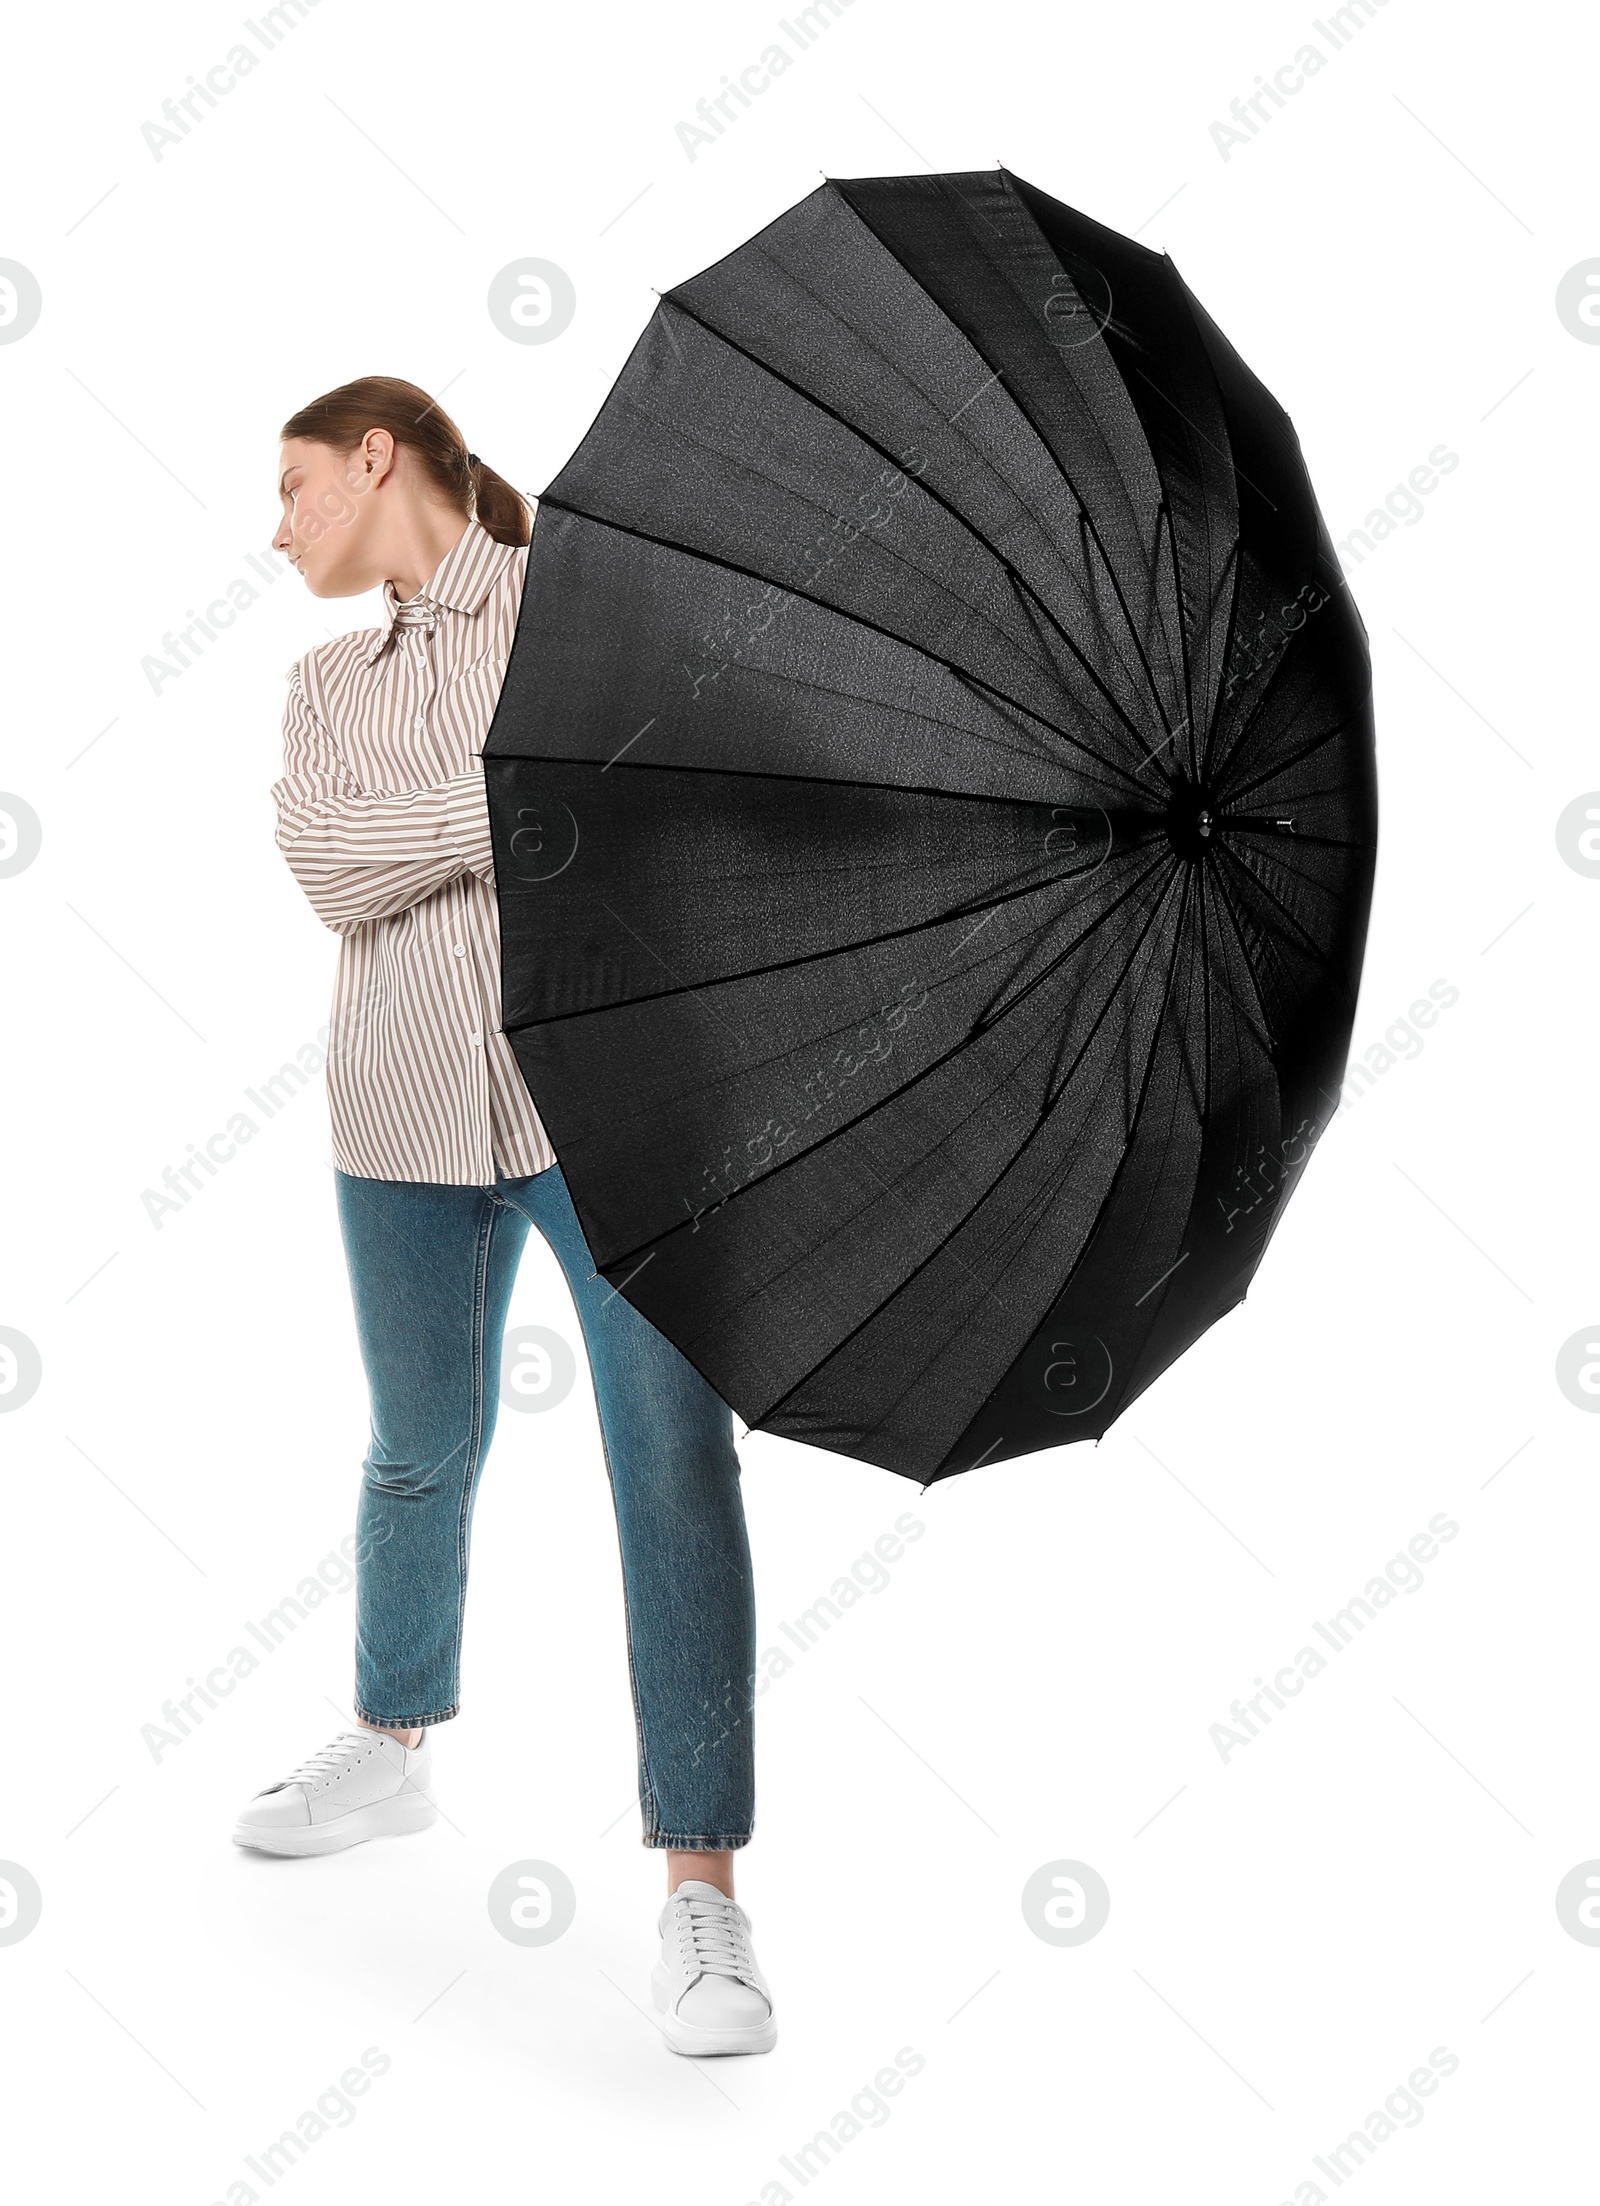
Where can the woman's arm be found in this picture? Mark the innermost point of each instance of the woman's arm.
(361, 857)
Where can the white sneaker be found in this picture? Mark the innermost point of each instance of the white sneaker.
(707, 1985)
(360, 1786)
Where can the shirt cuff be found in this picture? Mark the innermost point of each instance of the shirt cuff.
(466, 805)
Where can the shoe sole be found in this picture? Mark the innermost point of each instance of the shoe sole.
(685, 2037)
(381, 1819)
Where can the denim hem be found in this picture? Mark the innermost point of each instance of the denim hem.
(723, 1842)
(405, 1723)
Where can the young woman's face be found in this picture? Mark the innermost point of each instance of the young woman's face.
(329, 513)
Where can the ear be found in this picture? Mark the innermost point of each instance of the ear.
(375, 458)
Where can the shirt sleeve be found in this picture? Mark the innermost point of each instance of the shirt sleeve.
(361, 857)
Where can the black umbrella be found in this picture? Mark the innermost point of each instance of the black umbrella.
(934, 814)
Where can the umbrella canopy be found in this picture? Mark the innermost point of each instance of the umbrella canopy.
(934, 816)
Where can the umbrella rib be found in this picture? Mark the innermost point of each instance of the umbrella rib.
(1309, 842)
(1041, 1208)
(1088, 520)
(1243, 733)
(814, 957)
(1116, 582)
(1236, 576)
(1163, 512)
(984, 689)
(1227, 455)
(1205, 1011)
(826, 781)
(1313, 948)
(976, 1204)
(933, 1065)
(883, 452)
(1165, 527)
(1177, 576)
(1267, 688)
(1149, 1069)
(1282, 765)
(1224, 452)
(1262, 1030)
(993, 1018)
(1026, 1227)
(1092, 532)
(750, 574)
(854, 780)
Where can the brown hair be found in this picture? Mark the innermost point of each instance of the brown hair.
(342, 418)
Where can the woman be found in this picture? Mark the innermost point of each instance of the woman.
(441, 1164)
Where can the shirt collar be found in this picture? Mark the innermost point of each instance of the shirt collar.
(459, 584)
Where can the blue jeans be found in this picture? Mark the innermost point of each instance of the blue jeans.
(431, 1271)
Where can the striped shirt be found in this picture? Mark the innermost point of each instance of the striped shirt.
(383, 817)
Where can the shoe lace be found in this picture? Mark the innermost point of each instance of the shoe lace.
(331, 1760)
(713, 1934)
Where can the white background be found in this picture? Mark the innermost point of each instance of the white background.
(1292, 1932)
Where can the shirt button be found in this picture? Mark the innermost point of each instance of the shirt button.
(418, 722)
(459, 948)
(475, 1039)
